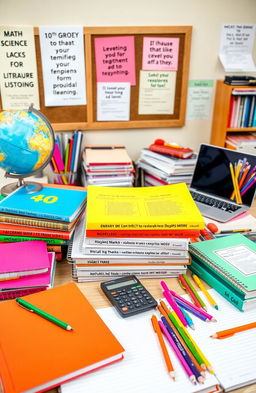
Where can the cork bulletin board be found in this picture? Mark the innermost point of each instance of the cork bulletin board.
(84, 117)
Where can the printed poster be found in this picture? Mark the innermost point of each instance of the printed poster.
(160, 53)
(113, 101)
(62, 54)
(157, 92)
(236, 47)
(18, 71)
(199, 99)
(115, 59)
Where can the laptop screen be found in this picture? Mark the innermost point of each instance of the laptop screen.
(213, 173)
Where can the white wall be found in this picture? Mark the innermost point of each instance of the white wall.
(206, 17)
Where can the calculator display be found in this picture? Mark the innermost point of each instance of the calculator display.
(122, 284)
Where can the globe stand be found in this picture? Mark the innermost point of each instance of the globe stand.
(30, 186)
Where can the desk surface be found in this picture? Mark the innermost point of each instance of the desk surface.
(96, 297)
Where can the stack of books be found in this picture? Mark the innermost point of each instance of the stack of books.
(25, 268)
(50, 215)
(228, 265)
(107, 165)
(245, 142)
(242, 111)
(142, 231)
(162, 169)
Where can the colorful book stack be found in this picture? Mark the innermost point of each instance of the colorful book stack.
(25, 268)
(49, 215)
(141, 231)
(228, 265)
(66, 158)
(107, 165)
(242, 111)
(242, 141)
(162, 169)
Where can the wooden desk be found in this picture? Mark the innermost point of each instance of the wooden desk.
(96, 297)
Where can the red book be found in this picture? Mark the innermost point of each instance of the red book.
(21, 230)
(186, 233)
(180, 152)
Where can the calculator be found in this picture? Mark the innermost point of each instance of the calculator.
(128, 295)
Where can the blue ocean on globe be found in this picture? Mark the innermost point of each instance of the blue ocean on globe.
(26, 142)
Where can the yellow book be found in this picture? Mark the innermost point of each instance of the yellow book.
(142, 208)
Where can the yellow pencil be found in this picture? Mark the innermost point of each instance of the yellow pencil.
(204, 290)
(237, 172)
(234, 182)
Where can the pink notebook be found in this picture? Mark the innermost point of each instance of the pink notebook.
(23, 286)
(23, 259)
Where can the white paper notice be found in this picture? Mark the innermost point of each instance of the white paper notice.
(62, 52)
(199, 99)
(236, 48)
(113, 101)
(18, 72)
(157, 91)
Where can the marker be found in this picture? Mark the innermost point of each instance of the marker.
(43, 314)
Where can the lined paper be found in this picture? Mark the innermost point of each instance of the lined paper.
(143, 368)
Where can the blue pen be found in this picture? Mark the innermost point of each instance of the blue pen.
(187, 317)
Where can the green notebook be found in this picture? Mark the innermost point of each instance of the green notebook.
(232, 257)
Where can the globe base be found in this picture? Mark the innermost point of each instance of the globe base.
(30, 187)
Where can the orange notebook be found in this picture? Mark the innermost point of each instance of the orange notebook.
(36, 355)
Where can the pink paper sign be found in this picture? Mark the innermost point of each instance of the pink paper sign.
(115, 60)
(160, 53)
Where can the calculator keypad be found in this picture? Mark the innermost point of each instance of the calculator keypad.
(132, 300)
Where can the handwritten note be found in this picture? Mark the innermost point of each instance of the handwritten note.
(157, 92)
(18, 71)
(113, 101)
(160, 53)
(62, 52)
(115, 59)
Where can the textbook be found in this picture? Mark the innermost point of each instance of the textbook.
(22, 230)
(11, 238)
(23, 259)
(232, 257)
(54, 203)
(36, 354)
(227, 291)
(26, 285)
(141, 233)
(149, 209)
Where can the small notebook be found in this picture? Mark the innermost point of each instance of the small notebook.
(106, 155)
(23, 259)
(144, 370)
(233, 257)
(36, 354)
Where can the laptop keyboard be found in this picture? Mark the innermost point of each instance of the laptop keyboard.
(214, 202)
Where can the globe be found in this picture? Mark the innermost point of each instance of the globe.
(26, 142)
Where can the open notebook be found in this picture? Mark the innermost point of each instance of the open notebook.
(143, 369)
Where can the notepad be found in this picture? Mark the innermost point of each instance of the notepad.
(143, 369)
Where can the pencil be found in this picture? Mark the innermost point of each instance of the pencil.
(230, 332)
(205, 292)
(200, 300)
(167, 359)
(234, 182)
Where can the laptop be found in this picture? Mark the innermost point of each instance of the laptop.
(212, 186)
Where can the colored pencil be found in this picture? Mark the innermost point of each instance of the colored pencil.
(204, 290)
(230, 332)
(188, 318)
(192, 291)
(175, 307)
(167, 359)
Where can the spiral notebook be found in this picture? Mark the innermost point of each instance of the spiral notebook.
(232, 257)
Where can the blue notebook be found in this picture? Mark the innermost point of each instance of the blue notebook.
(54, 203)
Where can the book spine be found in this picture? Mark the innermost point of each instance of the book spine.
(83, 262)
(222, 273)
(34, 223)
(38, 233)
(8, 238)
(143, 233)
(222, 289)
(136, 252)
(5, 295)
(38, 214)
(115, 274)
(168, 243)
(175, 152)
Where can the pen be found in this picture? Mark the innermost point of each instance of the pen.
(167, 359)
(42, 314)
(204, 290)
(230, 332)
